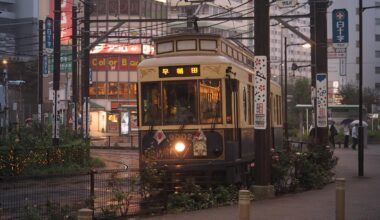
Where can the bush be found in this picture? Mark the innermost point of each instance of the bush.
(293, 171)
(29, 151)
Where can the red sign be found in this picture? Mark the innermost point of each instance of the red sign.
(66, 17)
(113, 63)
(123, 49)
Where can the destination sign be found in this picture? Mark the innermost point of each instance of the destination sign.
(179, 71)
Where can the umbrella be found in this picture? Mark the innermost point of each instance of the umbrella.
(346, 121)
(357, 122)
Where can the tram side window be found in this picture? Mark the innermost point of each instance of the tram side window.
(151, 103)
(180, 102)
(228, 101)
(210, 99)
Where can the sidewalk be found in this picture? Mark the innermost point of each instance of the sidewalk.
(362, 196)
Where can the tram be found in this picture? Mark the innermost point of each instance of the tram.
(195, 104)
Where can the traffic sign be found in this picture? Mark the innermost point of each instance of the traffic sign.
(340, 28)
(49, 34)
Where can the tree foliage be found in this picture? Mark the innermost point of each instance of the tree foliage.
(301, 94)
(350, 96)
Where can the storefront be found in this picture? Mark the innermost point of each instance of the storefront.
(114, 87)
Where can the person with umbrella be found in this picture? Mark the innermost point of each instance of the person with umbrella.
(354, 135)
(346, 130)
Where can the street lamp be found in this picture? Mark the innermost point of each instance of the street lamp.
(5, 62)
(286, 45)
(361, 143)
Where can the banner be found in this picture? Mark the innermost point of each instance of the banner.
(66, 17)
(321, 85)
(260, 92)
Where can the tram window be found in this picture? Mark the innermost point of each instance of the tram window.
(224, 48)
(151, 103)
(186, 45)
(165, 47)
(208, 45)
(228, 101)
(210, 99)
(179, 102)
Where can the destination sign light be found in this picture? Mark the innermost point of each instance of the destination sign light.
(179, 71)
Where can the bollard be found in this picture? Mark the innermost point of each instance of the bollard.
(244, 204)
(340, 198)
(85, 214)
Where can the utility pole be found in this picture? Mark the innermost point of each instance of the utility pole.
(263, 137)
(74, 65)
(57, 68)
(86, 67)
(318, 32)
(40, 67)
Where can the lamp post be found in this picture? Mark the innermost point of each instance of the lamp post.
(361, 143)
(6, 124)
(286, 45)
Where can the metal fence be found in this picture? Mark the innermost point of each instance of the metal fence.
(107, 192)
(109, 141)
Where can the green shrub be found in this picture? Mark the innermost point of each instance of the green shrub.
(292, 171)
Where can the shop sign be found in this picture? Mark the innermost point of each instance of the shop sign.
(114, 63)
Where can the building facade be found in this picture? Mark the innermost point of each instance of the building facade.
(344, 65)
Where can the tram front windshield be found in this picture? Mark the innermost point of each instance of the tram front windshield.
(181, 102)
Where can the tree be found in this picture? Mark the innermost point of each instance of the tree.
(350, 96)
(301, 92)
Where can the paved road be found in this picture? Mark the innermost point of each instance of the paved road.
(362, 196)
(116, 158)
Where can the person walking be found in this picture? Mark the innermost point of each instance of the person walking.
(333, 133)
(346, 131)
(354, 135)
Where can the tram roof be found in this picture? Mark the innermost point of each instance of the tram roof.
(184, 60)
(186, 35)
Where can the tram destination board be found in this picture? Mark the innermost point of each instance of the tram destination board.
(179, 71)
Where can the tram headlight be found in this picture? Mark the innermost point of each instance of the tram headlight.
(179, 146)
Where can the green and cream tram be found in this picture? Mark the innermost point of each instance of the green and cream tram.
(196, 105)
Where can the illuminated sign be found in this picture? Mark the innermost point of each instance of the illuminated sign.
(108, 48)
(179, 71)
(114, 63)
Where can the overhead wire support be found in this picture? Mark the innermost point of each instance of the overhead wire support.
(199, 19)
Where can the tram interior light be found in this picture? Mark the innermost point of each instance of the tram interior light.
(179, 147)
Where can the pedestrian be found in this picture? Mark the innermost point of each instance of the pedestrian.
(346, 131)
(333, 133)
(354, 134)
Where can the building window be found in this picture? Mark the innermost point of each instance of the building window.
(377, 21)
(377, 37)
(377, 86)
(112, 90)
(377, 69)
(377, 53)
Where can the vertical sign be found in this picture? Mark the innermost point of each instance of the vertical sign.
(45, 66)
(260, 92)
(49, 34)
(55, 129)
(340, 28)
(321, 84)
